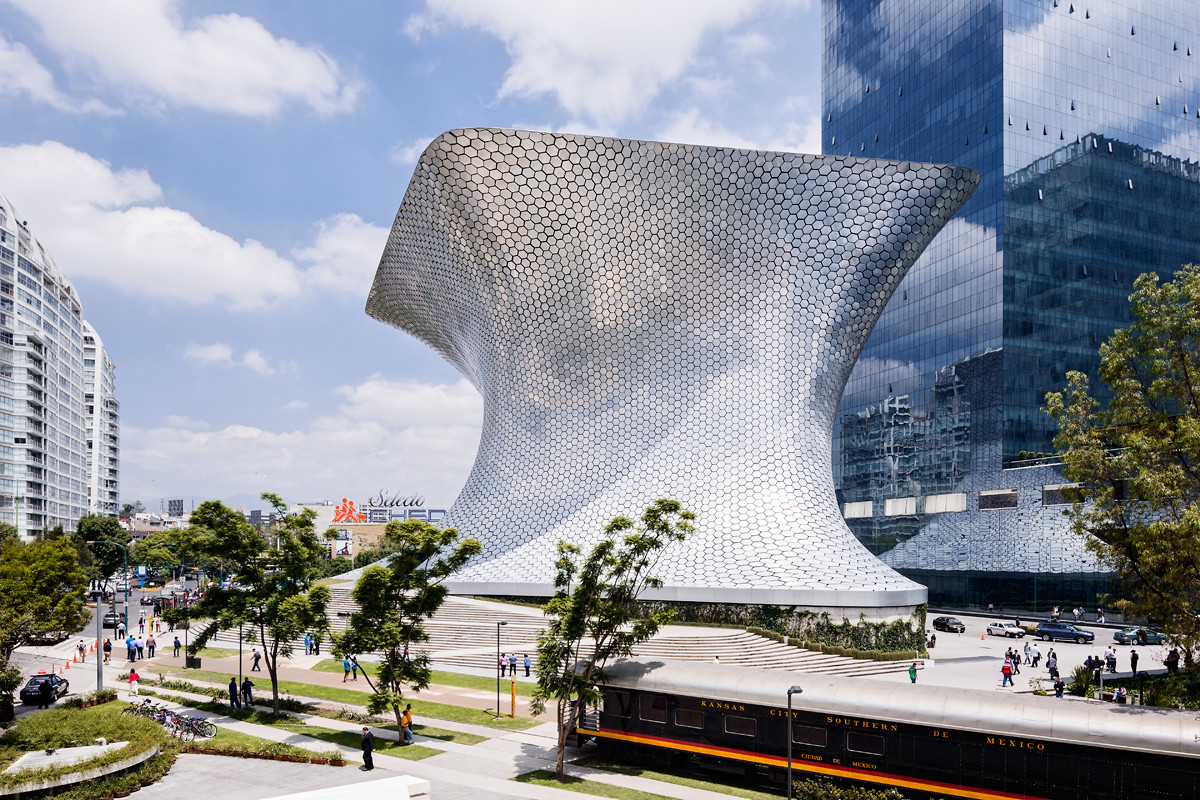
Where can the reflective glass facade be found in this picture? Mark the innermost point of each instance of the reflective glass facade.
(1082, 119)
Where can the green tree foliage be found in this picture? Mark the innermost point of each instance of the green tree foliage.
(594, 612)
(277, 602)
(395, 602)
(1137, 459)
(41, 592)
(106, 558)
(159, 550)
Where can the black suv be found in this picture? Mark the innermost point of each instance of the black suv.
(1063, 631)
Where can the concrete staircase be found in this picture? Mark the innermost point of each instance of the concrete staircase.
(462, 637)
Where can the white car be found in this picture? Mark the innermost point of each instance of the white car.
(1009, 629)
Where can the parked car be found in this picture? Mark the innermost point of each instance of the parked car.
(112, 618)
(1138, 635)
(32, 691)
(148, 600)
(1051, 630)
(948, 624)
(1009, 629)
(50, 637)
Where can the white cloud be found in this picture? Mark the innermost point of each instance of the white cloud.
(599, 62)
(295, 405)
(343, 255)
(405, 153)
(222, 355)
(149, 53)
(105, 223)
(421, 437)
(689, 126)
(21, 73)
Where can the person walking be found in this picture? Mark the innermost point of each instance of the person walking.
(912, 672)
(354, 669)
(141, 648)
(1006, 671)
(307, 644)
(82, 649)
(1028, 660)
(255, 656)
(512, 665)
(406, 724)
(247, 692)
(107, 650)
(368, 744)
(1059, 685)
(177, 646)
(150, 645)
(133, 680)
(527, 663)
(131, 648)
(346, 669)
(503, 664)
(233, 693)
(1052, 664)
(1133, 659)
(45, 694)
(1036, 655)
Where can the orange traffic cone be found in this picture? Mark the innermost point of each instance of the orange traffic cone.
(74, 659)
(982, 636)
(68, 666)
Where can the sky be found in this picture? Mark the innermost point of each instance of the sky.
(218, 178)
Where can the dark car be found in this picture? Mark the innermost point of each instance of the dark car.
(49, 637)
(948, 624)
(1138, 635)
(148, 600)
(1052, 630)
(32, 691)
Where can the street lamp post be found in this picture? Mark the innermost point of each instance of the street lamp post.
(498, 624)
(124, 576)
(791, 691)
(98, 596)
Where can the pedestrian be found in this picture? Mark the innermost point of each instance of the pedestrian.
(503, 664)
(1016, 662)
(354, 668)
(82, 648)
(130, 648)
(1057, 613)
(177, 646)
(512, 665)
(716, 660)
(150, 645)
(406, 724)
(1036, 655)
(141, 648)
(1100, 616)
(991, 608)
(316, 646)
(1058, 687)
(1112, 659)
(1172, 661)
(107, 650)
(254, 658)
(932, 640)
(307, 644)
(1017, 622)
(1027, 661)
(247, 692)
(133, 680)
(368, 744)
(527, 663)
(1052, 664)
(1006, 671)
(346, 669)
(45, 694)
(912, 672)
(233, 693)
(1133, 659)
(142, 625)
(120, 629)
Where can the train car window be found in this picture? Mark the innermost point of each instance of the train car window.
(652, 708)
(810, 735)
(689, 719)
(742, 726)
(867, 743)
(619, 704)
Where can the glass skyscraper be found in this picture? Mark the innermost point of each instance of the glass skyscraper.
(1082, 119)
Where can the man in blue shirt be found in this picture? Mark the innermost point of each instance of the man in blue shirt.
(527, 665)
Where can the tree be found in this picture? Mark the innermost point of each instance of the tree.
(395, 602)
(107, 559)
(594, 612)
(129, 510)
(275, 598)
(41, 592)
(159, 550)
(1137, 460)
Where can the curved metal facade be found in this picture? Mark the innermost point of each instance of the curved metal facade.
(651, 320)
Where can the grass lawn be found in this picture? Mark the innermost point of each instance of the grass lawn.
(439, 678)
(413, 752)
(216, 652)
(543, 777)
(441, 734)
(731, 789)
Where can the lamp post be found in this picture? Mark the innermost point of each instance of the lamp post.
(124, 577)
(791, 691)
(498, 624)
(98, 596)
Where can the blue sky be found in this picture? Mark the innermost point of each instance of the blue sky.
(217, 179)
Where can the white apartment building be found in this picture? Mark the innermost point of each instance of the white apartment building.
(43, 443)
(102, 426)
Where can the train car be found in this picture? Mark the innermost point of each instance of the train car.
(925, 740)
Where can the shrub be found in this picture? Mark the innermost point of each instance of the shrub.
(1081, 681)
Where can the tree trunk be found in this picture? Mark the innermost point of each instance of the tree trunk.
(559, 773)
(399, 733)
